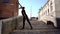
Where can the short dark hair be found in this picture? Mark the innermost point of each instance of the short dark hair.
(23, 7)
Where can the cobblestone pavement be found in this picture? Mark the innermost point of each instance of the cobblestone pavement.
(38, 28)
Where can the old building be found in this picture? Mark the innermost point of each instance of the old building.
(50, 12)
(8, 8)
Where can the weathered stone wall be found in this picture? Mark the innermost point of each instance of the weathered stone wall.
(0, 26)
(10, 24)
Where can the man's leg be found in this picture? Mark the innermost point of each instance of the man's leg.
(29, 22)
(23, 23)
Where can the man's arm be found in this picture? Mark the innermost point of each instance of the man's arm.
(20, 5)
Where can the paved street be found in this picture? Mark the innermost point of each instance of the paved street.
(38, 28)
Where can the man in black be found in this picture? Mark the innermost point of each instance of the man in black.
(25, 17)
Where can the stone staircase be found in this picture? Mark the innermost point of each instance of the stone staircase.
(38, 28)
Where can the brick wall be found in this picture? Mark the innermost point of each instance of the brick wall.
(9, 9)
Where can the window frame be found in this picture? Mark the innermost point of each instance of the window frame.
(5, 1)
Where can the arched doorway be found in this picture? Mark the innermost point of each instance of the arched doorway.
(50, 23)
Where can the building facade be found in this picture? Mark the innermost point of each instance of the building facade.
(8, 8)
(50, 12)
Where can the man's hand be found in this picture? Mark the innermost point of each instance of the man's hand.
(20, 5)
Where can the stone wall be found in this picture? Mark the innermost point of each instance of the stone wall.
(0, 26)
(10, 24)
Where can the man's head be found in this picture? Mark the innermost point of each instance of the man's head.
(23, 7)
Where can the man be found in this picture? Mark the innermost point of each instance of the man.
(25, 17)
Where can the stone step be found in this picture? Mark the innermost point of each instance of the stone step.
(54, 31)
(37, 28)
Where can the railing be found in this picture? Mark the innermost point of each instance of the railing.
(10, 24)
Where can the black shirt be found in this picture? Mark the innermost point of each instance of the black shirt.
(24, 13)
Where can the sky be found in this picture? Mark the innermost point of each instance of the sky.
(32, 6)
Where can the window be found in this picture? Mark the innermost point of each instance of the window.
(5, 1)
(51, 8)
(48, 10)
(51, 3)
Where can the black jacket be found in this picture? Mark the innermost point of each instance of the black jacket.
(24, 13)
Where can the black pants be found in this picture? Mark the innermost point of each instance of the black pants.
(26, 18)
